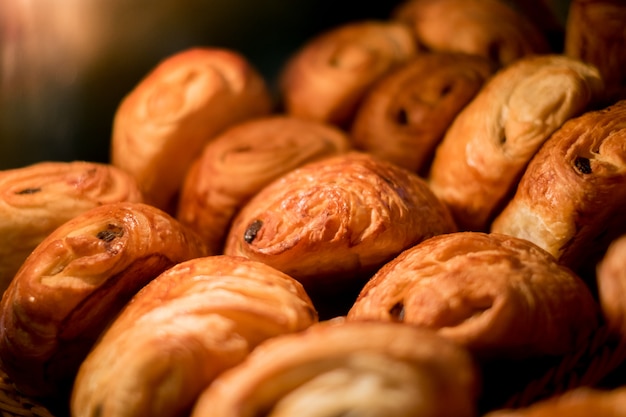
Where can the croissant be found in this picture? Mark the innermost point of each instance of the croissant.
(496, 295)
(238, 163)
(162, 124)
(332, 222)
(75, 281)
(337, 368)
(327, 77)
(572, 197)
(210, 313)
(404, 116)
(611, 280)
(594, 33)
(487, 147)
(36, 199)
(489, 28)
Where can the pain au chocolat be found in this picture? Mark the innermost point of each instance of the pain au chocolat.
(36, 199)
(162, 124)
(333, 222)
(75, 281)
(182, 330)
(238, 163)
(486, 149)
(340, 368)
(571, 199)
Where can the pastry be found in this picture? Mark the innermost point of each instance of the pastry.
(326, 78)
(75, 281)
(332, 369)
(238, 163)
(209, 313)
(36, 199)
(611, 279)
(595, 34)
(487, 147)
(572, 197)
(162, 124)
(489, 28)
(331, 223)
(498, 296)
(403, 116)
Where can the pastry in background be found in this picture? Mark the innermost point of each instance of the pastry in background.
(36, 199)
(571, 199)
(595, 34)
(161, 125)
(404, 116)
(489, 28)
(486, 149)
(183, 329)
(339, 368)
(74, 282)
(327, 77)
(331, 223)
(611, 279)
(241, 161)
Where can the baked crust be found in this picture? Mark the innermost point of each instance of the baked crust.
(36, 199)
(486, 149)
(404, 116)
(327, 77)
(162, 124)
(374, 369)
(209, 313)
(240, 162)
(75, 281)
(572, 197)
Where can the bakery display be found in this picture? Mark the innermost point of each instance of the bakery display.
(36, 199)
(331, 223)
(328, 76)
(572, 197)
(209, 313)
(374, 369)
(75, 281)
(487, 147)
(238, 163)
(490, 28)
(162, 124)
(404, 116)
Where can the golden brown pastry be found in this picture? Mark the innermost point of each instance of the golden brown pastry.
(331, 223)
(580, 402)
(611, 279)
(183, 329)
(36, 199)
(187, 99)
(403, 117)
(75, 281)
(489, 28)
(572, 197)
(328, 76)
(332, 369)
(496, 295)
(595, 34)
(487, 147)
(238, 163)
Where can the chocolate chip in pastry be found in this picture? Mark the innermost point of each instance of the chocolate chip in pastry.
(238, 163)
(571, 199)
(75, 281)
(404, 116)
(332, 369)
(595, 34)
(36, 199)
(489, 28)
(332, 223)
(486, 149)
(184, 328)
(162, 124)
(328, 76)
